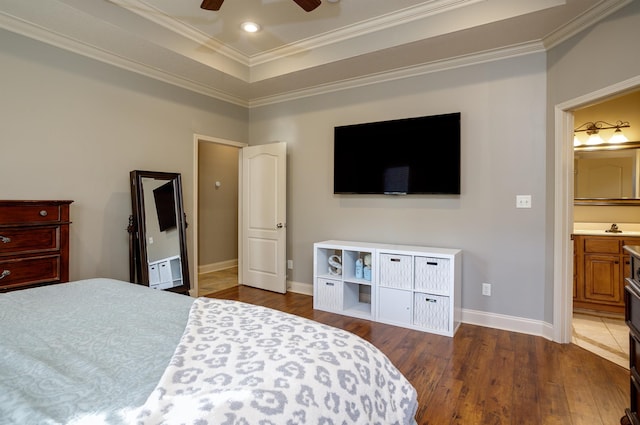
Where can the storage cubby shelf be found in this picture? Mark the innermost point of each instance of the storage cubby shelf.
(410, 286)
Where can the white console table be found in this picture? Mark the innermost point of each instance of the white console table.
(410, 286)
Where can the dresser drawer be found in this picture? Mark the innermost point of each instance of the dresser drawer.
(29, 271)
(635, 400)
(603, 246)
(24, 240)
(33, 213)
(634, 354)
(634, 269)
(632, 309)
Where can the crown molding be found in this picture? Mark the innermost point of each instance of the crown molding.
(390, 20)
(586, 20)
(29, 30)
(403, 73)
(592, 16)
(157, 16)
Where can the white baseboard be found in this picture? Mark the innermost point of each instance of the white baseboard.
(300, 288)
(508, 323)
(214, 267)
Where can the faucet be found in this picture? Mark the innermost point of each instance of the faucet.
(614, 229)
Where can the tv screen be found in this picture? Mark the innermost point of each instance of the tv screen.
(406, 156)
(165, 206)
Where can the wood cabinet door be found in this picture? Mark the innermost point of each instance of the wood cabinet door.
(602, 278)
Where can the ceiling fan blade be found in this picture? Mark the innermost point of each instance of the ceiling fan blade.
(211, 4)
(308, 5)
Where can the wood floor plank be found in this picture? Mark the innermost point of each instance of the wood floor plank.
(481, 376)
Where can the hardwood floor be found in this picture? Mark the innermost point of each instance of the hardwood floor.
(482, 375)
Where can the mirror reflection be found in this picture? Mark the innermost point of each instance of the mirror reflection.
(607, 173)
(159, 247)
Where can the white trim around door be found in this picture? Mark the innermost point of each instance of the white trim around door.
(563, 204)
(193, 223)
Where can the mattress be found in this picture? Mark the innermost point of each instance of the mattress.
(86, 351)
(102, 351)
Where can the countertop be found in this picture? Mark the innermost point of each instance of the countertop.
(600, 229)
(633, 250)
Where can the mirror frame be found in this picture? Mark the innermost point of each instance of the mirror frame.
(608, 201)
(139, 264)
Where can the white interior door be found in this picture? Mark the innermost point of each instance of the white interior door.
(262, 230)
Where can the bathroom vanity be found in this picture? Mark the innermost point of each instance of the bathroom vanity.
(600, 268)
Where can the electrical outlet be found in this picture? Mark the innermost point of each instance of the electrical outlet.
(290, 264)
(486, 289)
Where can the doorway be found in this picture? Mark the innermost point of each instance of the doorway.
(608, 175)
(563, 203)
(215, 206)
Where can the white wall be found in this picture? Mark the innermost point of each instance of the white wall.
(73, 128)
(503, 154)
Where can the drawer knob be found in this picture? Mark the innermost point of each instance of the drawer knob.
(5, 273)
(4, 239)
(43, 213)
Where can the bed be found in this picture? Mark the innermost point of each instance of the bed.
(102, 351)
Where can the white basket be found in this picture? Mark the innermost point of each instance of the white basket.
(395, 271)
(432, 274)
(329, 295)
(431, 311)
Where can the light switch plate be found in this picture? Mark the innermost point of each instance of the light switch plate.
(523, 201)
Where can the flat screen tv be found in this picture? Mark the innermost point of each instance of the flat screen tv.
(165, 206)
(398, 157)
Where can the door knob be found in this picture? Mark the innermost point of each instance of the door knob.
(280, 225)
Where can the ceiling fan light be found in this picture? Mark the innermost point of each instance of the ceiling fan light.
(250, 27)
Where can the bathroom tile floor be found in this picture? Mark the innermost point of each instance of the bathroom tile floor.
(605, 336)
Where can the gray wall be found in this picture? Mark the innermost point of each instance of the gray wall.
(218, 206)
(503, 154)
(596, 58)
(73, 128)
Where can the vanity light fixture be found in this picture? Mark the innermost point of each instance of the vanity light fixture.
(593, 129)
(250, 26)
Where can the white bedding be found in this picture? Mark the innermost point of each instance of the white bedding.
(244, 364)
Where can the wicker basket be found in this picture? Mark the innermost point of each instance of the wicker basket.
(431, 311)
(432, 275)
(329, 294)
(395, 271)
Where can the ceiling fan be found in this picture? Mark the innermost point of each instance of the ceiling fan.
(307, 5)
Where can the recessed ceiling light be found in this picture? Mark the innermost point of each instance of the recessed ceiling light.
(250, 27)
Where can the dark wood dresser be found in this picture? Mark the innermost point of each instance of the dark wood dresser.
(34, 243)
(632, 317)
